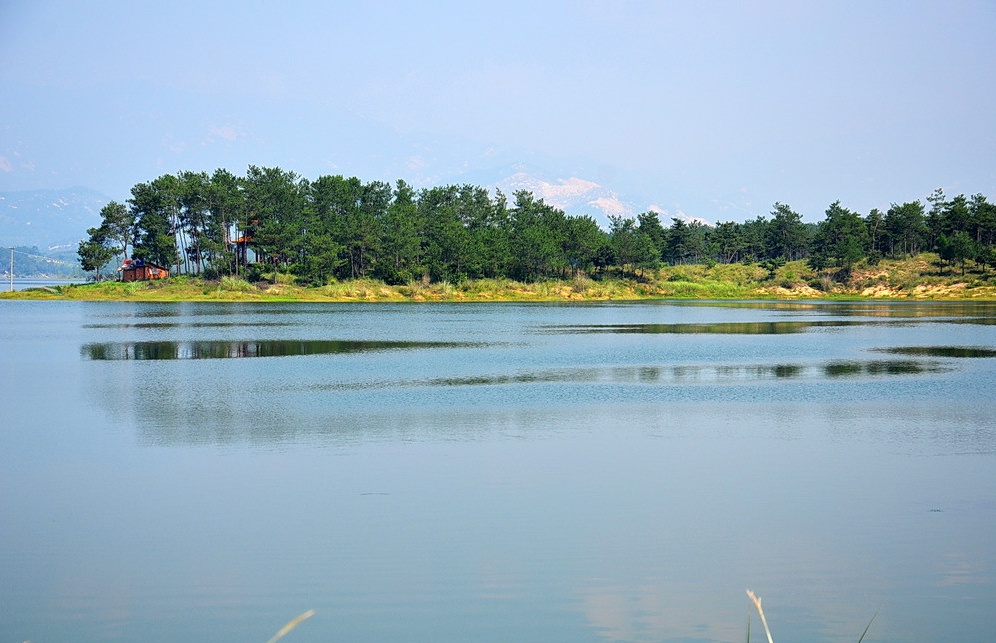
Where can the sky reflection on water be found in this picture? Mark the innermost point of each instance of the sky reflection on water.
(455, 473)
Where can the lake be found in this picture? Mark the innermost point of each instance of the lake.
(497, 472)
(25, 283)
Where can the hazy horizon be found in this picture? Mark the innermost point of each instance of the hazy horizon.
(716, 110)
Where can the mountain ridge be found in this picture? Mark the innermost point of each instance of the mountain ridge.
(576, 195)
(49, 219)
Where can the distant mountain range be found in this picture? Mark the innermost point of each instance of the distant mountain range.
(574, 195)
(49, 220)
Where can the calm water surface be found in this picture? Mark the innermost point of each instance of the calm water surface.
(604, 472)
(22, 283)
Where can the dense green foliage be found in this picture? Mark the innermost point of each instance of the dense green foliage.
(336, 228)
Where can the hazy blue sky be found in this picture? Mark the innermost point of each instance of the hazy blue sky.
(718, 109)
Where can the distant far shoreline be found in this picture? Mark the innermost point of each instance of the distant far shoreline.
(25, 283)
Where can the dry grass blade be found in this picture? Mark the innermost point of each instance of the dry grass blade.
(294, 622)
(757, 603)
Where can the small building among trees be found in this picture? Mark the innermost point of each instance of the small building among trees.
(138, 270)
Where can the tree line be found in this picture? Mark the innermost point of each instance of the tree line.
(336, 228)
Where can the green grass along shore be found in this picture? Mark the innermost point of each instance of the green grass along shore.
(918, 278)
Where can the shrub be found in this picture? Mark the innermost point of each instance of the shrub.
(234, 284)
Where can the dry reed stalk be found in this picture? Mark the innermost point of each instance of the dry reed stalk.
(757, 603)
(294, 622)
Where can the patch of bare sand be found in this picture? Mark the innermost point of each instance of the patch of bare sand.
(803, 291)
(881, 290)
(939, 291)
